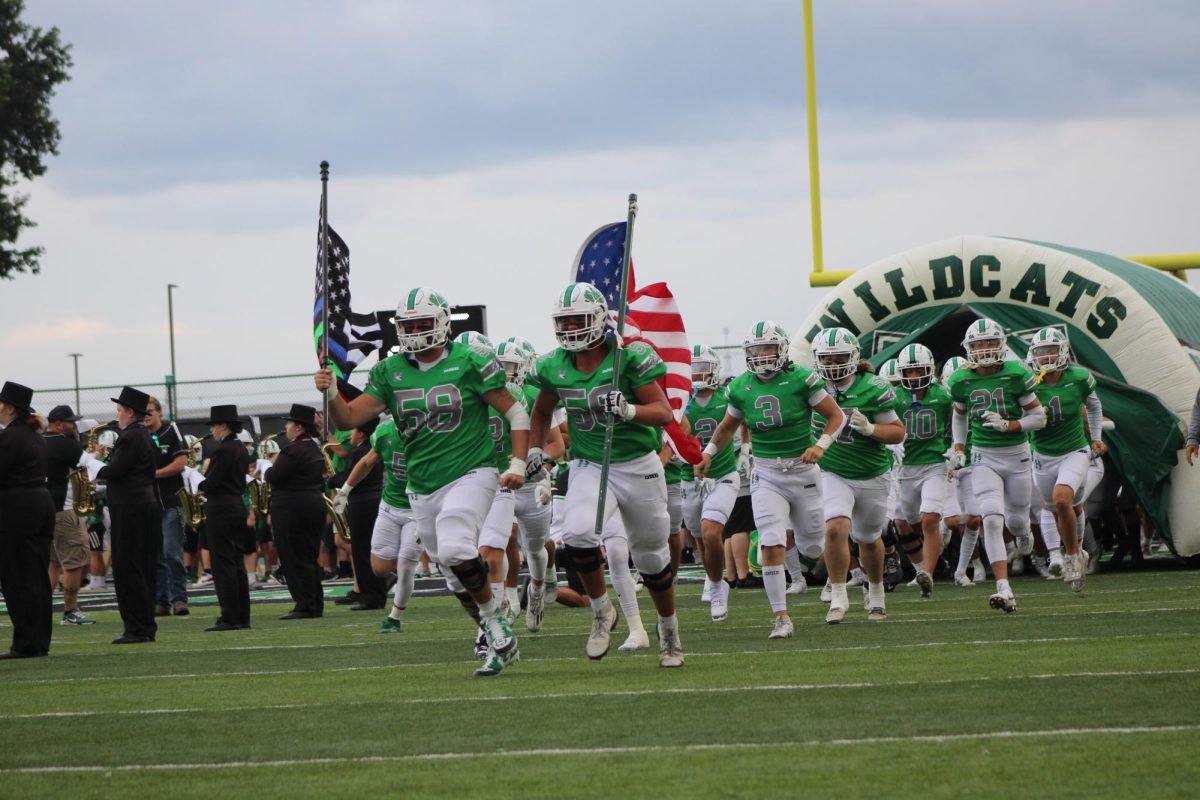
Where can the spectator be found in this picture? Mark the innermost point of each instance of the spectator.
(170, 457)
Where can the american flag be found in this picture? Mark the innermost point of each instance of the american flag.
(352, 337)
(651, 316)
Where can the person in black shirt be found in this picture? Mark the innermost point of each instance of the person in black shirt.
(363, 506)
(170, 458)
(225, 518)
(298, 511)
(71, 551)
(26, 524)
(136, 513)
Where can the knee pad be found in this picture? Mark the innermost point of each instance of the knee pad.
(911, 543)
(660, 581)
(468, 604)
(471, 574)
(585, 559)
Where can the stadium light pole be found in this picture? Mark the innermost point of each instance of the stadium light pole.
(171, 326)
(76, 357)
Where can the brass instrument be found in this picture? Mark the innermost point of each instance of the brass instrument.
(83, 491)
(192, 502)
(341, 525)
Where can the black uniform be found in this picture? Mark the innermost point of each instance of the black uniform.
(26, 530)
(361, 512)
(297, 520)
(225, 521)
(136, 512)
(62, 454)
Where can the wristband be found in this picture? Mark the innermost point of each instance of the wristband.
(516, 466)
(709, 450)
(331, 392)
(824, 441)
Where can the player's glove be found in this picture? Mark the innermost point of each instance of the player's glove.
(542, 493)
(991, 419)
(615, 405)
(535, 462)
(341, 499)
(954, 461)
(860, 423)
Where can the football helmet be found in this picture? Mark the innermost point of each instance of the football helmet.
(475, 339)
(766, 348)
(836, 352)
(422, 320)
(952, 366)
(890, 371)
(984, 343)
(706, 368)
(919, 359)
(1049, 350)
(579, 315)
(514, 360)
(268, 449)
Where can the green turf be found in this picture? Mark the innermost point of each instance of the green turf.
(1074, 696)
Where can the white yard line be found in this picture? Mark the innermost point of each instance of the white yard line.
(750, 689)
(604, 751)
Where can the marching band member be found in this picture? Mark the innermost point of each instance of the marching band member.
(225, 518)
(297, 481)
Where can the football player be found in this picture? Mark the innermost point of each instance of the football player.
(995, 403)
(776, 400)
(438, 392)
(580, 375)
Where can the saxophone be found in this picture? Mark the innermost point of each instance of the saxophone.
(192, 502)
(260, 490)
(341, 525)
(83, 491)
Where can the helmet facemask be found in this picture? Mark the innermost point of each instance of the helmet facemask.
(765, 359)
(1049, 356)
(836, 366)
(985, 351)
(579, 330)
(417, 334)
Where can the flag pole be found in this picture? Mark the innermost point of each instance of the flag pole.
(622, 302)
(324, 224)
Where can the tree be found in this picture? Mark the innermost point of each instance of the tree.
(32, 63)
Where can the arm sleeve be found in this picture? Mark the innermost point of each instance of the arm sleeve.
(958, 425)
(884, 417)
(1095, 416)
(1193, 436)
(816, 398)
(1034, 419)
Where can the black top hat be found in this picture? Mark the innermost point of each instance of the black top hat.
(133, 398)
(63, 414)
(223, 414)
(302, 415)
(17, 395)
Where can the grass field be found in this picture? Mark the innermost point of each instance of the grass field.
(1093, 695)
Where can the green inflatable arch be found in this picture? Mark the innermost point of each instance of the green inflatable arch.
(1136, 328)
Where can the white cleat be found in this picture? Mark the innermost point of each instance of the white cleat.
(827, 592)
(877, 613)
(1024, 544)
(600, 638)
(979, 571)
(1003, 602)
(925, 581)
(670, 651)
(719, 607)
(535, 610)
(835, 614)
(782, 628)
(857, 578)
(706, 595)
(1057, 564)
(961, 579)
(798, 586)
(1075, 571)
(637, 640)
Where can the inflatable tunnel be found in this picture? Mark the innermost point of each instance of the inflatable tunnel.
(1136, 328)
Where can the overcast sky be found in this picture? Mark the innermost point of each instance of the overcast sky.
(475, 145)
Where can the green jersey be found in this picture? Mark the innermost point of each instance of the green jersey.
(926, 424)
(389, 445)
(704, 421)
(777, 410)
(441, 412)
(852, 455)
(501, 430)
(1064, 412)
(1000, 392)
(580, 395)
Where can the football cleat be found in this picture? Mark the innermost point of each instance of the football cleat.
(706, 595)
(499, 633)
(670, 651)
(797, 586)
(494, 663)
(782, 628)
(390, 625)
(603, 624)
(827, 592)
(637, 640)
(1057, 564)
(535, 609)
(835, 614)
(925, 582)
(1003, 602)
(1076, 573)
(481, 646)
(877, 613)
(961, 579)
(1024, 544)
(719, 607)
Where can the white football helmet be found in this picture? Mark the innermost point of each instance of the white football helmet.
(890, 371)
(836, 352)
(916, 366)
(514, 360)
(984, 343)
(706, 368)
(476, 339)
(268, 449)
(766, 348)
(579, 315)
(952, 366)
(422, 320)
(1049, 350)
